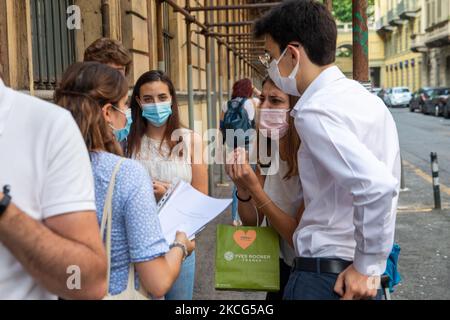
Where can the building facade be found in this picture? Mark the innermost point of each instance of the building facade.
(433, 41)
(417, 42)
(39, 39)
(396, 22)
(344, 52)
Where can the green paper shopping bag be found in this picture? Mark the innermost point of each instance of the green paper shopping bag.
(247, 258)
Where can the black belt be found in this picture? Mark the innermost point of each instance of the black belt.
(321, 265)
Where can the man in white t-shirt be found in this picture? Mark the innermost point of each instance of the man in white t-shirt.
(50, 241)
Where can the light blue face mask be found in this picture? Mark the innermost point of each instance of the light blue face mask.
(157, 113)
(122, 134)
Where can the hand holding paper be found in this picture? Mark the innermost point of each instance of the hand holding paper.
(188, 210)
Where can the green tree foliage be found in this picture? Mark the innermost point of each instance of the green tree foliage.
(342, 9)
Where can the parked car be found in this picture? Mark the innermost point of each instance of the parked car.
(420, 97)
(398, 97)
(375, 91)
(384, 95)
(446, 111)
(442, 101)
(439, 98)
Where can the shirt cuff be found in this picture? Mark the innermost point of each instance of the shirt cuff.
(369, 264)
(149, 253)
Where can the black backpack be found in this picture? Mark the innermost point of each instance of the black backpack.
(236, 118)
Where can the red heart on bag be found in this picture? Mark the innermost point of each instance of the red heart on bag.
(244, 239)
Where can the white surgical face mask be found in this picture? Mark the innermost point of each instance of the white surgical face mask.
(286, 84)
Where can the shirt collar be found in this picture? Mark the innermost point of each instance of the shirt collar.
(326, 77)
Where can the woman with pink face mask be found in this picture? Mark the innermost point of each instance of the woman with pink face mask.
(278, 181)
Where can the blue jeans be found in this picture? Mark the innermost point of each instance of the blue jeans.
(313, 286)
(183, 288)
(234, 206)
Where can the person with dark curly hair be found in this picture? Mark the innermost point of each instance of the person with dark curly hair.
(110, 52)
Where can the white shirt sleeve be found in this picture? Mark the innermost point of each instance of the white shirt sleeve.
(369, 181)
(249, 106)
(68, 181)
(225, 106)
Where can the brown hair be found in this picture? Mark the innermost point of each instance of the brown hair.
(140, 124)
(292, 137)
(105, 50)
(85, 88)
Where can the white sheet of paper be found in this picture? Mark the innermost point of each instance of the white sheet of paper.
(189, 210)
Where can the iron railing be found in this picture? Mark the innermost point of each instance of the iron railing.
(167, 37)
(53, 42)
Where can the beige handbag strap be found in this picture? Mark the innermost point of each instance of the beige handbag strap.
(107, 220)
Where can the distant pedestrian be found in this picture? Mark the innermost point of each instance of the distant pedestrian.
(237, 123)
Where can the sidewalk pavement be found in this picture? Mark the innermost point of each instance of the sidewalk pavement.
(424, 236)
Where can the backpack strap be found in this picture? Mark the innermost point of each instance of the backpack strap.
(240, 103)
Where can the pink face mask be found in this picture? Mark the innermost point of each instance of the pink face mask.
(272, 121)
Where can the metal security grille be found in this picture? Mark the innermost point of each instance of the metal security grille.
(53, 42)
(167, 38)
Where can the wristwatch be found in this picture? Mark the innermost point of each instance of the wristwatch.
(182, 246)
(4, 203)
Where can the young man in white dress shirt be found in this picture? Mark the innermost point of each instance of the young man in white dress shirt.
(349, 160)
